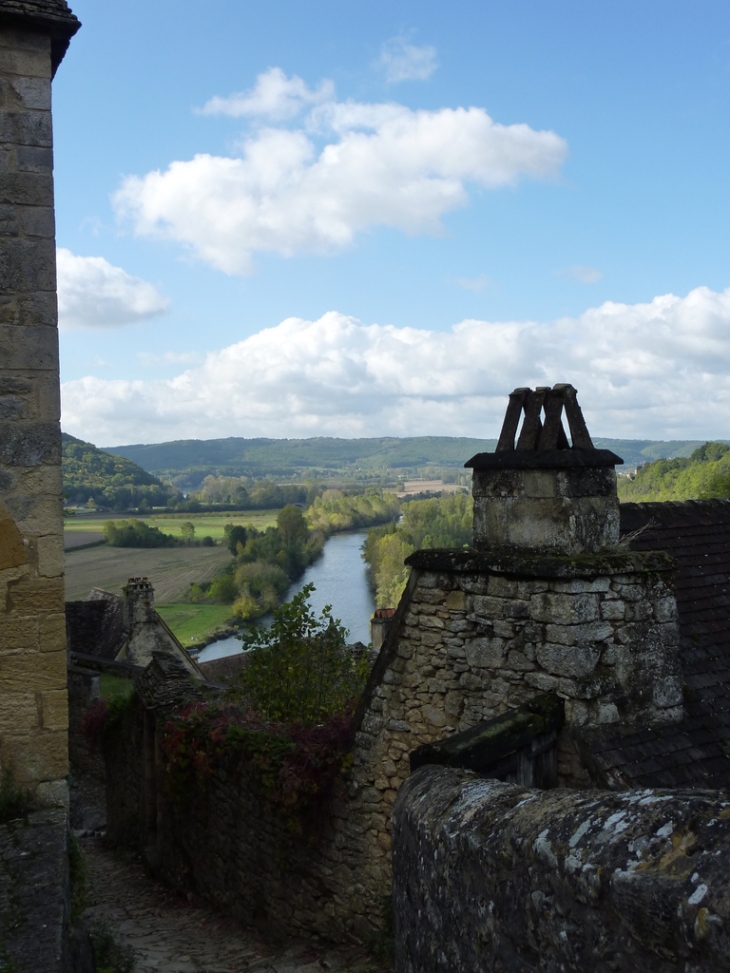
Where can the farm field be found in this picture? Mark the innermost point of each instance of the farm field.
(170, 569)
(205, 524)
(191, 623)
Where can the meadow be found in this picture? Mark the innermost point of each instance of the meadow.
(192, 623)
(211, 525)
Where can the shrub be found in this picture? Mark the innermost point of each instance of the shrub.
(300, 668)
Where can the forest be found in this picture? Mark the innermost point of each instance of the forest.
(702, 476)
(437, 522)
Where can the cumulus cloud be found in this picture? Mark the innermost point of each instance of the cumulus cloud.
(346, 167)
(92, 293)
(641, 370)
(274, 96)
(401, 61)
(586, 275)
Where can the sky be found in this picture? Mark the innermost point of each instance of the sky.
(377, 218)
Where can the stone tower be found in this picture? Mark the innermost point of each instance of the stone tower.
(34, 35)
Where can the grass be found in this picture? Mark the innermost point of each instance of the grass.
(170, 569)
(191, 623)
(114, 687)
(205, 524)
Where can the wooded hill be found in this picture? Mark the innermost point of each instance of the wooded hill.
(187, 462)
(111, 481)
(702, 476)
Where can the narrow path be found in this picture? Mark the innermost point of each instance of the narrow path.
(169, 934)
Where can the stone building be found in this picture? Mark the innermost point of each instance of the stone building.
(106, 629)
(34, 35)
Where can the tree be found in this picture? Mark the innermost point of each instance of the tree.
(300, 668)
(292, 525)
(235, 534)
(187, 531)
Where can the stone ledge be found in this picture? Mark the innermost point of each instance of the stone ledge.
(523, 564)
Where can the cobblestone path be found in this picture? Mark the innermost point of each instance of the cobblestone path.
(168, 934)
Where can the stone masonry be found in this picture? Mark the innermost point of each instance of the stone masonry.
(33, 705)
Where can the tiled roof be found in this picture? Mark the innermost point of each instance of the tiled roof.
(95, 626)
(697, 751)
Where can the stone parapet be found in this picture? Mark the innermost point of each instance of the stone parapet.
(490, 876)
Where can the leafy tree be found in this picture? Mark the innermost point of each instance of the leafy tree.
(300, 668)
(234, 534)
(187, 531)
(291, 525)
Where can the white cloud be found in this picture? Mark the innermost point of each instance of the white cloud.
(274, 96)
(286, 193)
(475, 284)
(660, 369)
(586, 275)
(401, 61)
(92, 293)
(149, 359)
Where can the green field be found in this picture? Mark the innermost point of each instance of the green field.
(205, 524)
(191, 623)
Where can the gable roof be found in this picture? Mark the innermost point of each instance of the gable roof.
(53, 17)
(695, 752)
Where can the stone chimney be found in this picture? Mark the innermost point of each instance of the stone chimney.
(139, 604)
(538, 492)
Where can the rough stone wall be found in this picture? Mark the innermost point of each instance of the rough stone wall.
(33, 705)
(488, 876)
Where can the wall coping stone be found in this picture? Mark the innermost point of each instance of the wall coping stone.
(481, 746)
(527, 565)
(542, 459)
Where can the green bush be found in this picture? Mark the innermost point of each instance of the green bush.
(300, 668)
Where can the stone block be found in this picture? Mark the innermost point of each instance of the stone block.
(50, 555)
(35, 517)
(18, 40)
(455, 601)
(575, 663)
(433, 716)
(485, 653)
(28, 348)
(579, 634)
(27, 189)
(34, 158)
(36, 221)
(30, 444)
(36, 672)
(39, 755)
(18, 712)
(27, 63)
(18, 634)
(12, 550)
(52, 632)
(33, 93)
(31, 595)
(53, 706)
(27, 265)
(26, 128)
(564, 609)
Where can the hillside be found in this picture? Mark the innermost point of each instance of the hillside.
(111, 481)
(704, 475)
(409, 456)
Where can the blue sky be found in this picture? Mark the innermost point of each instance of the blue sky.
(390, 214)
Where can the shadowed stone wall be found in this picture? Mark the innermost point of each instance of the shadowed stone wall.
(489, 876)
(33, 704)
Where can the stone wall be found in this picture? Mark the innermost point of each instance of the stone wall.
(488, 876)
(33, 707)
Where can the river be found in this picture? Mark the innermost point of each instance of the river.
(340, 580)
